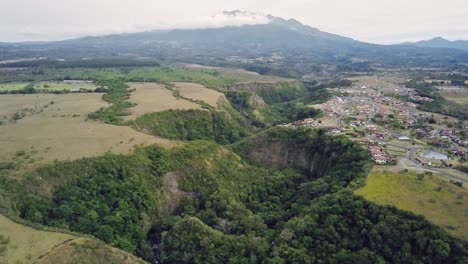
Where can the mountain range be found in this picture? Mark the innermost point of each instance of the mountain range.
(302, 47)
(440, 42)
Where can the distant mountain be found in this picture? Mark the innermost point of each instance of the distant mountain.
(246, 38)
(440, 42)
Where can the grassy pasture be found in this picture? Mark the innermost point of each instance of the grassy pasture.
(83, 250)
(52, 86)
(25, 244)
(441, 202)
(241, 75)
(460, 98)
(199, 92)
(12, 86)
(60, 131)
(154, 97)
(59, 86)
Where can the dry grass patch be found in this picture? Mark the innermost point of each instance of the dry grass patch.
(83, 250)
(241, 74)
(439, 201)
(199, 92)
(154, 97)
(24, 244)
(60, 130)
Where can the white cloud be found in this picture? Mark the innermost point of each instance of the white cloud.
(225, 18)
(233, 18)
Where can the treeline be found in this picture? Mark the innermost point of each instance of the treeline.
(29, 89)
(83, 63)
(117, 94)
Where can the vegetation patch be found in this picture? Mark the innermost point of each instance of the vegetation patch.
(117, 95)
(191, 125)
(108, 197)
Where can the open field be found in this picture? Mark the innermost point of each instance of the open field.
(240, 74)
(12, 86)
(460, 98)
(59, 130)
(439, 201)
(385, 83)
(53, 86)
(154, 97)
(25, 244)
(199, 92)
(65, 86)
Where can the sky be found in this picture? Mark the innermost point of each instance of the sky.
(376, 21)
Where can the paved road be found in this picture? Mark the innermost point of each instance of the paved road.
(411, 151)
(441, 172)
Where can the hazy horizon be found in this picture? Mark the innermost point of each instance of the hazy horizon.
(385, 22)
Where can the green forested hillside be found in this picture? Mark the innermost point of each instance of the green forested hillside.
(193, 125)
(232, 211)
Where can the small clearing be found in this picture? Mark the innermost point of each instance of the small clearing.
(170, 193)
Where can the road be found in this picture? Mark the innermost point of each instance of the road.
(411, 151)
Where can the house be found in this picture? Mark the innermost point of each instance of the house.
(380, 135)
(371, 128)
(381, 161)
(448, 132)
(403, 138)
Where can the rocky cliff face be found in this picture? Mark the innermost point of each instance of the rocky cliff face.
(271, 150)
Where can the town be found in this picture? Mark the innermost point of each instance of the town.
(381, 113)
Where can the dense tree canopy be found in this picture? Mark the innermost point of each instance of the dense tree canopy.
(233, 211)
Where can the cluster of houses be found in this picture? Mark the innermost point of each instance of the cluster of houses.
(461, 154)
(306, 122)
(310, 122)
(379, 156)
(452, 135)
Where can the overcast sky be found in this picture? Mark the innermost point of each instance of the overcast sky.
(378, 21)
